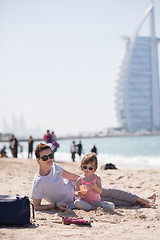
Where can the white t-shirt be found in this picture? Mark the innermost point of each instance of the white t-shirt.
(53, 188)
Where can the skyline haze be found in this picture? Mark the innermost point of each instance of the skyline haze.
(59, 61)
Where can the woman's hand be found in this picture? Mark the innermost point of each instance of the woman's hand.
(62, 206)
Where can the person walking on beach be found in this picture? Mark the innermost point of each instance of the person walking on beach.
(73, 150)
(54, 143)
(49, 185)
(47, 137)
(14, 143)
(89, 187)
(51, 139)
(94, 149)
(80, 149)
(54, 138)
(30, 146)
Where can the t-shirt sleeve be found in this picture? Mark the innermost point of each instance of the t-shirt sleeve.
(37, 189)
(58, 168)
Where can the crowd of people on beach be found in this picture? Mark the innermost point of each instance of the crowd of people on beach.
(78, 149)
(15, 147)
(50, 138)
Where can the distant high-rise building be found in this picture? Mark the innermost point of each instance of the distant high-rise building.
(137, 81)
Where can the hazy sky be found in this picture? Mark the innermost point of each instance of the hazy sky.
(58, 60)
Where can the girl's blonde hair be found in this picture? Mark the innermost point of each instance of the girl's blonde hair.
(90, 158)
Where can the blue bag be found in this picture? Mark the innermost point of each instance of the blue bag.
(15, 210)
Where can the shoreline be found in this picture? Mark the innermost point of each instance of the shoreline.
(90, 136)
(119, 165)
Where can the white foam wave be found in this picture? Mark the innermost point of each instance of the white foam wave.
(118, 160)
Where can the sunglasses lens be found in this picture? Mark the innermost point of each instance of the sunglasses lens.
(84, 167)
(50, 156)
(45, 158)
(90, 168)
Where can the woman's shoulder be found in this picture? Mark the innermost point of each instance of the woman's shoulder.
(56, 167)
(37, 179)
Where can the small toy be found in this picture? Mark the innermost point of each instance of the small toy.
(68, 221)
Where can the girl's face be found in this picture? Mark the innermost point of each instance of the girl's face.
(88, 169)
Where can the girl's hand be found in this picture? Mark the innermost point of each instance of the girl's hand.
(62, 206)
(94, 186)
(79, 194)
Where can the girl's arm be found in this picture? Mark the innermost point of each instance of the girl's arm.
(77, 192)
(97, 186)
(69, 176)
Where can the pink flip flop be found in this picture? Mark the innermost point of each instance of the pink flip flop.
(68, 221)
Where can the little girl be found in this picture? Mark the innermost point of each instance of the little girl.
(88, 186)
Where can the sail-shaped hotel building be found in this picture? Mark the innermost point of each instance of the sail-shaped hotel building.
(137, 81)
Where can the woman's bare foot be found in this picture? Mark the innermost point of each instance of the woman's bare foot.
(149, 202)
(153, 199)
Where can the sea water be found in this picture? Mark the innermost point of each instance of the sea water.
(134, 151)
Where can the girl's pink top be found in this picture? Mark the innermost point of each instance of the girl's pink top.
(91, 196)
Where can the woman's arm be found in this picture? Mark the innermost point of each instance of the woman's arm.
(69, 176)
(38, 206)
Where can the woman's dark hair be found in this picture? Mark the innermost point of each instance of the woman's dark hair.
(39, 148)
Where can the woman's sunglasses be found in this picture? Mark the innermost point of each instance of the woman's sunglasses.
(45, 157)
(86, 167)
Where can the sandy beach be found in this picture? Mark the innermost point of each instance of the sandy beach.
(16, 176)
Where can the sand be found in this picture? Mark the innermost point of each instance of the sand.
(16, 176)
